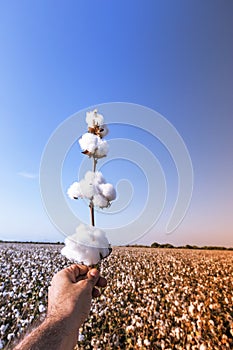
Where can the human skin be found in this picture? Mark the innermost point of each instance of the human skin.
(69, 303)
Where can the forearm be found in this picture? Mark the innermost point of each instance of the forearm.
(50, 335)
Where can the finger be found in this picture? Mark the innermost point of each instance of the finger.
(93, 276)
(102, 282)
(83, 269)
(74, 271)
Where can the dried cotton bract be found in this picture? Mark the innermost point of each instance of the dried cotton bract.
(95, 122)
(88, 245)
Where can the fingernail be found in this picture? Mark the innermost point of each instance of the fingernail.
(94, 273)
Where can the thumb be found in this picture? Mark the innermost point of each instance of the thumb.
(93, 276)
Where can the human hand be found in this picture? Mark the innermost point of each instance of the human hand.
(70, 294)
(69, 304)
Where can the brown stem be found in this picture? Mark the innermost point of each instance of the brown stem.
(94, 164)
(91, 206)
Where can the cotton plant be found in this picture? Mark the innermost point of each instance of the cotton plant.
(89, 244)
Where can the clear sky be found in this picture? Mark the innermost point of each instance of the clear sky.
(59, 57)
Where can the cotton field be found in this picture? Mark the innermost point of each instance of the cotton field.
(155, 298)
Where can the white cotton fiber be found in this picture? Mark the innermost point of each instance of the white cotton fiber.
(93, 118)
(102, 149)
(108, 191)
(88, 245)
(95, 146)
(99, 179)
(87, 188)
(100, 201)
(89, 176)
(94, 188)
(89, 142)
(89, 185)
(91, 236)
(74, 191)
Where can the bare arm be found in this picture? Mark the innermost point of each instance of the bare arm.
(69, 303)
(48, 336)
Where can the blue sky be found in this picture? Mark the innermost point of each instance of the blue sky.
(175, 57)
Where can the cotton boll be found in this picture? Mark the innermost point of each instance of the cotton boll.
(99, 179)
(89, 236)
(88, 142)
(93, 118)
(88, 245)
(87, 188)
(42, 308)
(78, 254)
(84, 234)
(81, 337)
(92, 145)
(89, 176)
(102, 149)
(89, 185)
(74, 191)
(100, 236)
(108, 191)
(93, 255)
(100, 201)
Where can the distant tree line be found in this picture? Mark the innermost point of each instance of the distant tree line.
(153, 245)
(170, 246)
(188, 246)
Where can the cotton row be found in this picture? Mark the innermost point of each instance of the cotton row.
(155, 298)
